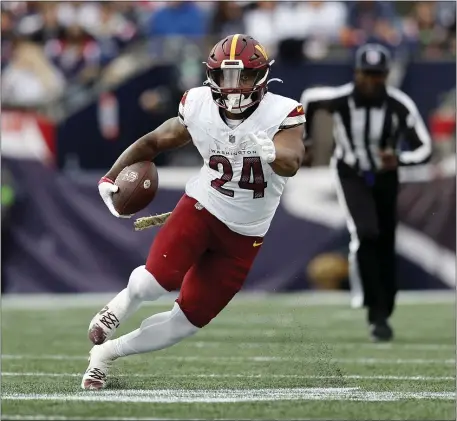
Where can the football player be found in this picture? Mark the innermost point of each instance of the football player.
(251, 143)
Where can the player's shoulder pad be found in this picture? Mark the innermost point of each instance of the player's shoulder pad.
(294, 113)
(181, 108)
(183, 99)
(194, 95)
(297, 111)
(187, 105)
(198, 93)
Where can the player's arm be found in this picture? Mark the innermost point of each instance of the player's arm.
(311, 103)
(314, 99)
(288, 143)
(171, 134)
(285, 152)
(307, 139)
(290, 151)
(415, 133)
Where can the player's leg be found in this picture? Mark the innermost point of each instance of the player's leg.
(156, 332)
(357, 201)
(219, 275)
(180, 243)
(207, 288)
(386, 204)
(142, 286)
(210, 286)
(176, 247)
(365, 260)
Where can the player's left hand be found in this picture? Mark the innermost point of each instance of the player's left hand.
(265, 146)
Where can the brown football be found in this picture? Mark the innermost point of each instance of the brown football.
(138, 185)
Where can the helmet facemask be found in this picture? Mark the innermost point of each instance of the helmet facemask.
(235, 88)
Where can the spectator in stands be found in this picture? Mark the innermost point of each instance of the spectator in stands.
(446, 14)
(132, 13)
(113, 32)
(371, 21)
(322, 22)
(27, 18)
(262, 22)
(78, 56)
(423, 30)
(323, 19)
(30, 79)
(16, 8)
(7, 36)
(83, 13)
(48, 27)
(227, 19)
(283, 27)
(178, 18)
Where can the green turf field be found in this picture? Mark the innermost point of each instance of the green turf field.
(264, 357)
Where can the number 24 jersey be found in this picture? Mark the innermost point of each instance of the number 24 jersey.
(234, 184)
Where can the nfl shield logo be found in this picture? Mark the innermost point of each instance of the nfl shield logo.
(231, 138)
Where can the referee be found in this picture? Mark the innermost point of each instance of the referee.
(376, 128)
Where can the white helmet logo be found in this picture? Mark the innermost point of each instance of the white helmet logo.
(147, 184)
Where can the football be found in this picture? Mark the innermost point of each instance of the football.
(138, 185)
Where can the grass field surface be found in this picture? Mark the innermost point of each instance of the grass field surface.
(296, 356)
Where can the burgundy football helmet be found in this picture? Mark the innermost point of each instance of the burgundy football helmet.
(237, 71)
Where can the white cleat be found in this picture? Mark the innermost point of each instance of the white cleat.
(103, 326)
(96, 374)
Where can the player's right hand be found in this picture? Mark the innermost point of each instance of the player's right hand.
(107, 188)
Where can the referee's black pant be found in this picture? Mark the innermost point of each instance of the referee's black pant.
(371, 208)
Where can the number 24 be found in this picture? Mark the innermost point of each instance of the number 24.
(251, 166)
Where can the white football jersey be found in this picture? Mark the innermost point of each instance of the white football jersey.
(234, 184)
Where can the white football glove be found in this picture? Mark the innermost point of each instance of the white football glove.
(106, 188)
(265, 147)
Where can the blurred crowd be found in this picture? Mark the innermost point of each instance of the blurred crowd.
(48, 46)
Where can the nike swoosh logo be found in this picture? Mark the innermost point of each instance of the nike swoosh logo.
(299, 109)
(256, 244)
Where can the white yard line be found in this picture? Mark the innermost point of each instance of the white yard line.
(65, 418)
(43, 417)
(317, 345)
(68, 301)
(241, 376)
(312, 343)
(251, 359)
(232, 395)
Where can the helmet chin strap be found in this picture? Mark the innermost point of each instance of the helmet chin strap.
(231, 99)
(235, 111)
(231, 102)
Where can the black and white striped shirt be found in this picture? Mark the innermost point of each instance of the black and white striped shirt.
(360, 131)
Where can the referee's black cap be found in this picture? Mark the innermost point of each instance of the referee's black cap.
(373, 58)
